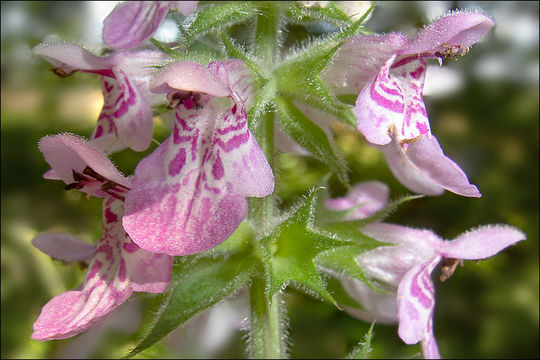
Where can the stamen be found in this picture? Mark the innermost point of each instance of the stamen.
(448, 266)
(62, 73)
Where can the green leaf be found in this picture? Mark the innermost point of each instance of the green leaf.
(331, 13)
(217, 16)
(298, 77)
(234, 51)
(363, 349)
(293, 246)
(310, 137)
(197, 283)
(263, 100)
(356, 26)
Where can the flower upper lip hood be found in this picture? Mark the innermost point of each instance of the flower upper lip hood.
(189, 194)
(126, 117)
(462, 28)
(68, 154)
(388, 72)
(131, 23)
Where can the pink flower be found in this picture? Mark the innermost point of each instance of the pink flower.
(133, 22)
(406, 267)
(126, 117)
(388, 73)
(117, 265)
(189, 194)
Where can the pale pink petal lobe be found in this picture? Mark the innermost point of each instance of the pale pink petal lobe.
(369, 196)
(62, 246)
(481, 243)
(426, 154)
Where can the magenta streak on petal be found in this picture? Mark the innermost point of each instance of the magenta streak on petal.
(396, 106)
(125, 105)
(107, 249)
(234, 142)
(216, 191)
(407, 60)
(416, 290)
(183, 123)
(233, 110)
(176, 164)
(110, 216)
(122, 271)
(230, 128)
(417, 73)
(217, 168)
(94, 270)
(99, 132)
(422, 128)
(194, 145)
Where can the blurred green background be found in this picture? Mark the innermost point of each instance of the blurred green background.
(483, 109)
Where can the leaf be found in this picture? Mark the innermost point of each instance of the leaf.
(197, 283)
(215, 17)
(310, 137)
(234, 51)
(298, 77)
(263, 100)
(330, 13)
(364, 348)
(292, 247)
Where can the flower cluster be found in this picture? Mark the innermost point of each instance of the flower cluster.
(190, 194)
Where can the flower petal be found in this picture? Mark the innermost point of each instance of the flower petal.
(359, 60)
(406, 172)
(70, 57)
(375, 306)
(372, 196)
(133, 22)
(105, 287)
(126, 116)
(463, 28)
(430, 350)
(66, 153)
(481, 243)
(189, 193)
(118, 268)
(416, 302)
(426, 154)
(147, 272)
(425, 169)
(388, 264)
(190, 76)
(62, 246)
(392, 102)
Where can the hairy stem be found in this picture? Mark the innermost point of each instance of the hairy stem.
(266, 326)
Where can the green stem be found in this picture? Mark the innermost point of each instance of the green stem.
(266, 330)
(266, 327)
(268, 34)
